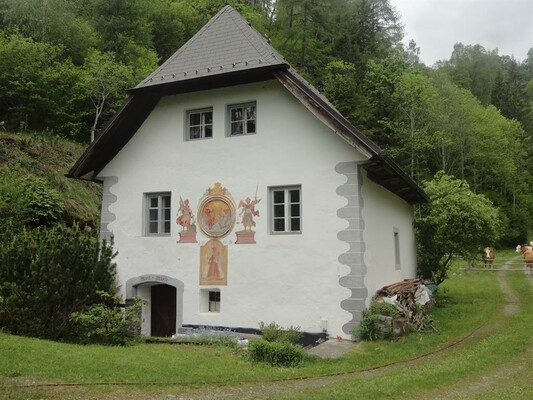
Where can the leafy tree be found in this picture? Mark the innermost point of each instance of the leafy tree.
(104, 82)
(51, 21)
(456, 222)
(24, 65)
(416, 99)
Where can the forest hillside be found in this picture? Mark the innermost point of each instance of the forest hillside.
(65, 66)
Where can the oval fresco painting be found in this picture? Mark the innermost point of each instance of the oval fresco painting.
(216, 216)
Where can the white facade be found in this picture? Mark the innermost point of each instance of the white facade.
(292, 279)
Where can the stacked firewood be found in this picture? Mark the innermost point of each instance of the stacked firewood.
(412, 298)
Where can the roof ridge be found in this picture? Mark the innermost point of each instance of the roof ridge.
(235, 16)
(186, 45)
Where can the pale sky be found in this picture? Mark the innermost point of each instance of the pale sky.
(436, 25)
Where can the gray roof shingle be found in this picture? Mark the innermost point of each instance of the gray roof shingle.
(216, 49)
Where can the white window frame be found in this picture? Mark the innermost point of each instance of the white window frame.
(244, 121)
(396, 234)
(287, 213)
(202, 125)
(160, 213)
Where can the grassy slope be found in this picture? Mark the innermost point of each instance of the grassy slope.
(23, 155)
(468, 301)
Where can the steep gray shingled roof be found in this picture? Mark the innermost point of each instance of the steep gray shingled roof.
(217, 48)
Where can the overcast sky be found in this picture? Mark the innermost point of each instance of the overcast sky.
(436, 25)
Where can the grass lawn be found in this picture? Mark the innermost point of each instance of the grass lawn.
(467, 301)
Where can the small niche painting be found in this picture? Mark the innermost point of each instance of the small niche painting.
(185, 219)
(247, 215)
(213, 263)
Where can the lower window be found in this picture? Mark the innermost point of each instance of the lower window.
(157, 214)
(285, 209)
(210, 300)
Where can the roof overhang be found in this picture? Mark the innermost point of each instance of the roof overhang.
(380, 168)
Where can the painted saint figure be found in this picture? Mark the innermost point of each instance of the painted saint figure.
(214, 270)
(248, 212)
(186, 219)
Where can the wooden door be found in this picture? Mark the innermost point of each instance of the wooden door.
(163, 310)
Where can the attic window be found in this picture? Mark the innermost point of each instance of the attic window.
(199, 124)
(242, 119)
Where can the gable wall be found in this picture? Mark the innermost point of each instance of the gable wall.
(289, 279)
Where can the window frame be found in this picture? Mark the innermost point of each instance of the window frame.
(243, 105)
(202, 125)
(160, 214)
(208, 306)
(397, 259)
(288, 215)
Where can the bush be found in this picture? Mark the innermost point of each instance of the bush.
(371, 326)
(46, 274)
(386, 309)
(278, 354)
(43, 205)
(107, 322)
(272, 332)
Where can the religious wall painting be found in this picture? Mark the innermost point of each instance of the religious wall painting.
(185, 219)
(214, 263)
(247, 215)
(216, 213)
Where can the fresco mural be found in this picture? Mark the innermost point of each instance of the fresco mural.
(213, 263)
(216, 213)
(186, 220)
(247, 214)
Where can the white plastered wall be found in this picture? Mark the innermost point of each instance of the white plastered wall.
(383, 213)
(289, 279)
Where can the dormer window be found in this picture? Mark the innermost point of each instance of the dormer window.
(199, 124)
(242, 119)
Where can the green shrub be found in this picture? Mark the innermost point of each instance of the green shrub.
(369, 328)
(386, 309)
(278, 354)
(107, 322)
(272, 332)
(43, 205)
(48, 273)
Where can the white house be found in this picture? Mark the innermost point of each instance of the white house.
(236, 193)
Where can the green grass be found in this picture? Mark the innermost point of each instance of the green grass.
(468, 300)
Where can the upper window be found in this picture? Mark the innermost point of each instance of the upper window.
(242, 119)
(285, 209)
(157, 214)
(199, 124)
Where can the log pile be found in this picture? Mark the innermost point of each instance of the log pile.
(404, 295)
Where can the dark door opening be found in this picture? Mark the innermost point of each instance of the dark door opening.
(163, 310)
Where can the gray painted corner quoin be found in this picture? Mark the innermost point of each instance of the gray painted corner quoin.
(108, 198)
(353, 235)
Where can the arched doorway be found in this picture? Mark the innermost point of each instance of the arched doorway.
(162, 310)
(163, 314)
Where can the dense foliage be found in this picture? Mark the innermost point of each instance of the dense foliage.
(48, 273)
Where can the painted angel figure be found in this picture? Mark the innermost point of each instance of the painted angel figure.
(186, 219)
(248, 212)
